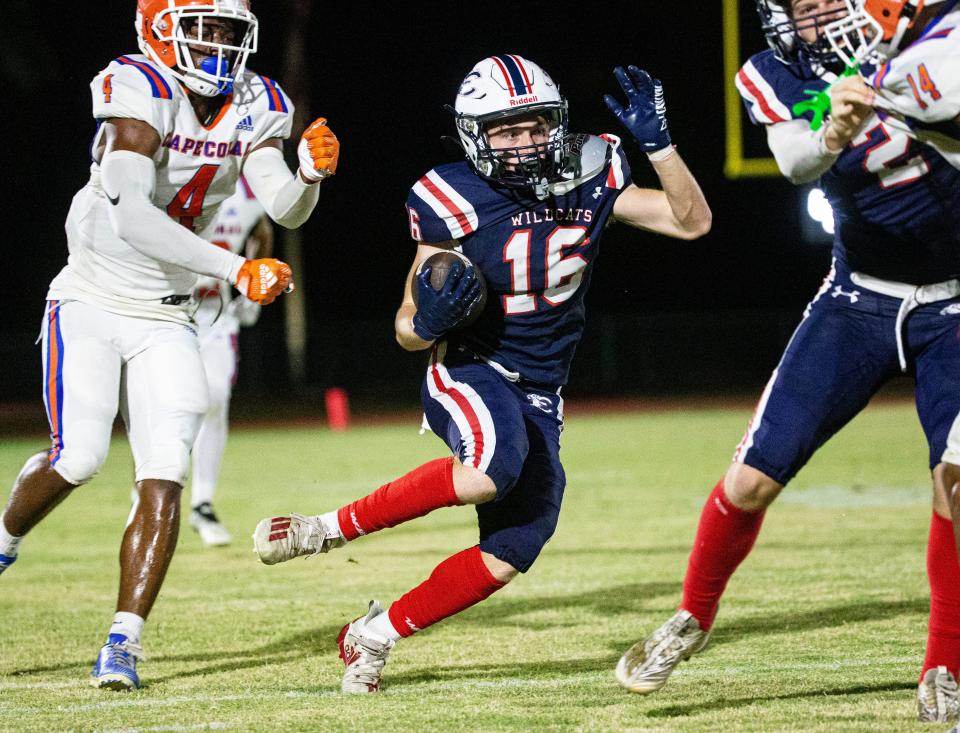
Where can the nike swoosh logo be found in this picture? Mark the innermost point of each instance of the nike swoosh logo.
(111, 199)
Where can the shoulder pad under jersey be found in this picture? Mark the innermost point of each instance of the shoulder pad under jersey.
(770, 88)
(269, 107)
(439, 204)
(589, 155)
(923, 81)
(134, 87)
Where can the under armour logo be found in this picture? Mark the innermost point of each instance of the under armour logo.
(838, 291)
(597, 192)
(951, 310)
(541, 402)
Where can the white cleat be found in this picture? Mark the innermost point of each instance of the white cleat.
(205, 522)
(363, 653)
(278, 539)
(937, 699)
(645, 667)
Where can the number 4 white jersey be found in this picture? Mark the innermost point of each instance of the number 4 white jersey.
(921, 87)
(197, 165)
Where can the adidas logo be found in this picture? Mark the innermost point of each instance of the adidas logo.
(246, 124)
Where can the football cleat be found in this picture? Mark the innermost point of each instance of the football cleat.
(6, 561)
(937, 699)
(278, 539)
(205, 522)
(116, 665)
(363, 653)
(645, 667)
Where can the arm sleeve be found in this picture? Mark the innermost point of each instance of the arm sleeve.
(128, 181)
(284, 196)
(799, 151)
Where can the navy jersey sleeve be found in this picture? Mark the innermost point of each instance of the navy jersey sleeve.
(619, 175)
(770, 88)
(438, 211)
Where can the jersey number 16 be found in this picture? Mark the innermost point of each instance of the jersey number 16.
(563, 273)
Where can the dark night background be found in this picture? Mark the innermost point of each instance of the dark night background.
(665, 317)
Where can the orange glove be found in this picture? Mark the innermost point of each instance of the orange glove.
(263, 280)
(318, 152)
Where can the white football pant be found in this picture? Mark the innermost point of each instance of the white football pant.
(96, 363)
(218, 350)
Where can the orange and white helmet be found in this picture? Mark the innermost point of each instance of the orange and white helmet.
(873, 29)
(162, 32)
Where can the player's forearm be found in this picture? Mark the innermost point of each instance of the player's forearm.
(285, 196)
(690, 212)
(128, 180)
(801, 154)
(403, 326)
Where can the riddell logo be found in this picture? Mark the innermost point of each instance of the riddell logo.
(524, 100)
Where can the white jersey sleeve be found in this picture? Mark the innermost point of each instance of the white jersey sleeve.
(923, 81)
(132, 87)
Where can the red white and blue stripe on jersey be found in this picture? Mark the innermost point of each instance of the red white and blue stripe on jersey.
(158, 85)
(760, 97)
(454, 210)
(515, 74)
(275, 97)
(53, 380)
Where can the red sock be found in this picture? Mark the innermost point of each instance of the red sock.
(724, 538)
(408, 497)
(454, 585)
(943, 571)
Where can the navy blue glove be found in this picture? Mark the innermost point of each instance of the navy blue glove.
(646, 114)
(438, 311)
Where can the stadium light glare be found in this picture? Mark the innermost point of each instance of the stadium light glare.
(820, 210)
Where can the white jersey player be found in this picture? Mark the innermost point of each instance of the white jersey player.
(175, 126)
(240, 225)
(913, 49)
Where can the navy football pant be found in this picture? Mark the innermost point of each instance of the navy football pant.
(842, 352)
(511, 432)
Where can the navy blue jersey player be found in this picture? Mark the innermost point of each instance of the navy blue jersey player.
(528, 208)
(889, 304)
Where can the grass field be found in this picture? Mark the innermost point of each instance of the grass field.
(822, 629)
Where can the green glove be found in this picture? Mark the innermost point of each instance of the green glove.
(819, 102)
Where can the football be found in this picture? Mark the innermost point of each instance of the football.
(439, 265)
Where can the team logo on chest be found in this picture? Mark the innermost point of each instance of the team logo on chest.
(551, 214)
(206, 148)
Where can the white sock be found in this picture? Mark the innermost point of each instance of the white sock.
(381, 626)
(128, 624)
(8, 542)
(331, 523)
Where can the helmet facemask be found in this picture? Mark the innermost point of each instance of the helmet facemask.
(534, 166)
(873, 30)
(784, 33)
(182, 30)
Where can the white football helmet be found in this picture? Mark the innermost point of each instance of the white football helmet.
(506, 86)
(162, 27)
(873, 29)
